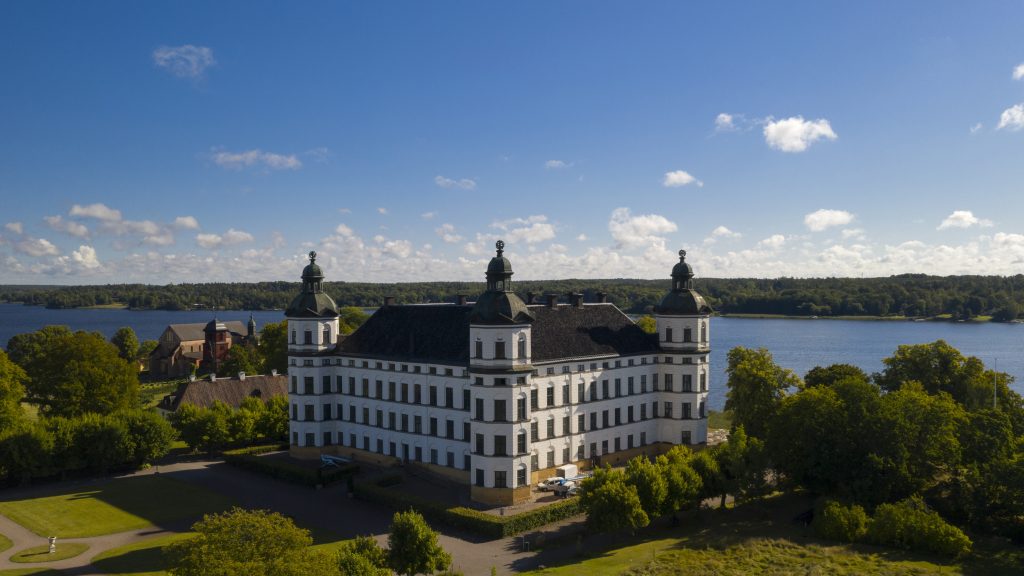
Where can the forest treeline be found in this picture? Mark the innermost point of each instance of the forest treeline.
(911, 295)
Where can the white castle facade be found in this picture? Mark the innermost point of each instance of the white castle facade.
(499, 392)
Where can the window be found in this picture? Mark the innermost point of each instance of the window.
(703, 382)
(351, 413)
(391, 420)
(604, 419)
(618, 444)
(593, 391)
(310, 439)
(629, 386)
(465, 435)
(593, 421)
(521, 413)
(417, 396)
(500, 447)
(465, 400)
(580, 390)
(551, 427)
(405, 392)
(380, 390)
(550, 400)
(702, 410)
(522, 346)
(703, 332)
(629, 413)
(687, 383)
(668, 409)
(668, 334)
(449, 428)
(618, 387)
(686, 410)
(565, 394)
(479, 443)
(534, 462)
(433, 456)
(534, 435)
(308, 413)
(686, 438)
(687, 335)
(327, 411)
(668, 382)
(521, 477)
(433, 426)
(499, 350)
(643, 383)
(292, 341)
(405, 422)
(449, 459)
(327, 335)
(618, 416)
(479, 408)
(295, 411)
(417, 425)
(501, 381)
(307, 385)
(643, 438)
(566, 424)
(366, 416)
(449, 397)
(433, 395)
(499, 411)
(579, 452)
(479, 349)
(366, 387)
(581, 422)
(308, 337)
(533, 400)
(521, 442)
(391, 391)
(643, 411)
(551, 457)
(295, 384)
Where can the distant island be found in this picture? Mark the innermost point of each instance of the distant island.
(910, 296)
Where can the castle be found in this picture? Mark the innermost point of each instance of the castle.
(499, 392)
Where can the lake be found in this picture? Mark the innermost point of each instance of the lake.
(796, 344)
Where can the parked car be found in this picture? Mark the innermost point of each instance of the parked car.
(563, 488)
(574, 491)
(550, 483)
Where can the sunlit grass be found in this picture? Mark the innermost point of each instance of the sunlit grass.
(42, 553)
(144, 558)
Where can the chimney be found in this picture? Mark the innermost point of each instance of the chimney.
(241, 375)
(213, 376)
(602, 298)
(576, 299)
(389, 301)
(273, 372)
(461, 299)
(552, 300)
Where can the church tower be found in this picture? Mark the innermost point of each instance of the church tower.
(499, 371)
(683, 324)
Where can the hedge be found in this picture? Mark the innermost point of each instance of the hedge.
(911, 525)
(834, 521)
(464, 518)
(249, 459)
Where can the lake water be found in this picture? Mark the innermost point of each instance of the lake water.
(796, 344)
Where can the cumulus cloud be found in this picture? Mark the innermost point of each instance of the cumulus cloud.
(186, 222)
(631, 231)
(1012, 118)
(37, 247)
(721, 232)
(678, 178)
(773, 242)
(463, 183)
(428, 215)
(1018, 72)
(555, 164)
(963, 219)
(447, 233)
(853, 233)
(582, 238)
(256, 157)
(532, 229)
(229, 238)
(71, 227)
(796, 134)
(15, 227)
(397, 248)
(822, 219)
(85, 257)
(187, 61)
(724, 123)
(98, 211)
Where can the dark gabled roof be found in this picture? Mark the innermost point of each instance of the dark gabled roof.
(423, 332)
(440, 333)
(230, 391)
(567, 331)
(195, 331)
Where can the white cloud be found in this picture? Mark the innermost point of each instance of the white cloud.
(774, 241)
(1012, 118)
(15, 227)
(722, 232)
(382, 211)
(531, 230)
(1018, 72)
(397, 248)
(637, 231)
(796, 134)
(233, 236)
(853, 233)
(724, 123)
(821, 219)
(428, 215)
(343, 230)
(239, 160)
(208, 240)
(976, 128)
(582, 238)
(463, 183)
(963, 219)
(229, 238)
(186, 222)
(344, 210)
(85, 257)
(71, 227)
(447, 233)
(37, 247)
(555, 164)
(98, 211)
(679, 178)
(185, 61)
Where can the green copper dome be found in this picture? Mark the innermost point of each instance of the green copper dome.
(682, 300)
(312, 302)
(499, 304)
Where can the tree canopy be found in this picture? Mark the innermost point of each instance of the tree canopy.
(756, 387)
(413, 547)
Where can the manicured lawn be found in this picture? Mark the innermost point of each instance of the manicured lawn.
(5, 542)
(42, 553)
(761, 538)
(113, 506)
(30, 572)
(144, 558)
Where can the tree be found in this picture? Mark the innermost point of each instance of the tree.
(611, 502)
(150, 435)
(756, 387)
(939, 367)
(647, 323)
(683, 482)
(742, 464)
(650, 483)
(251, 542)
(272, 423)
(350, 318)
(12, 391)
(273, 347)
(242, 358)
(203, 429)
(413, 547)
(75, 373)
(827, 376)
(127, 343)
(146, 348)
(362, 556)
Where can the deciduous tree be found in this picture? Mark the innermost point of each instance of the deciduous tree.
(127, 343)
(12, 392)
(611, 502)
(756, 387)
(413, 547)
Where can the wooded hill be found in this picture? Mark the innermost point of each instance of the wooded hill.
(911, 295)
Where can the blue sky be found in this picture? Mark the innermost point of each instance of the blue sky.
(183, 142)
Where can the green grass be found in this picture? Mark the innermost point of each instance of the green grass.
(42, 553)
(5, 542)
(144, 558)
(30, 572)
(761, 538)
(113, 506)
(152, 394)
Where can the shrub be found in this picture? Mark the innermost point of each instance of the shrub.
(909, 524)
(834, 521)
(461, 517)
